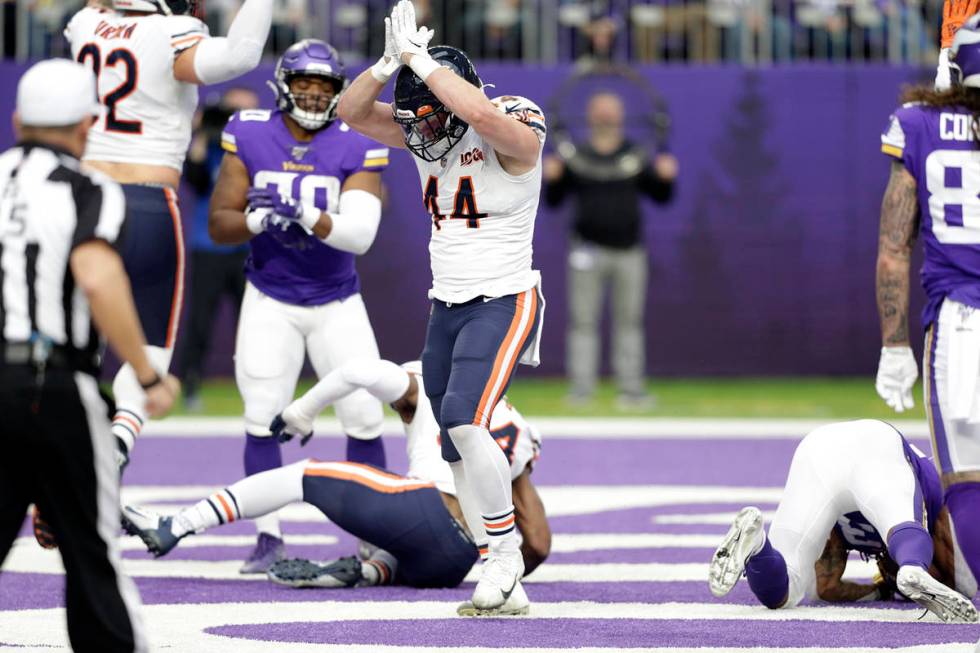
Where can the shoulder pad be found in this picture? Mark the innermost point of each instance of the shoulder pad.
(523, 110)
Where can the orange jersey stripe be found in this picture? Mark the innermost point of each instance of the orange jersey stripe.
(224, 504)
(177, 301)
(357, 478)
(517, 351)
(482, 414)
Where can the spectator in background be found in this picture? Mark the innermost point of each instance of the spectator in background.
(287, 22)
(216, 270)
(608, 175)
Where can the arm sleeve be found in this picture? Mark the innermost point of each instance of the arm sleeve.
(523, 110)
(356, 223)
(223, 58)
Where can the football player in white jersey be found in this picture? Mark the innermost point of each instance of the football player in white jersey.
(479, 161)
(377, 506)
(149, 56)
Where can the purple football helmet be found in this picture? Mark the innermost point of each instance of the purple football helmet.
(964, 54)
(309, 58)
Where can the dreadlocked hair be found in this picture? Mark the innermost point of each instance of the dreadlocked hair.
(955, 97)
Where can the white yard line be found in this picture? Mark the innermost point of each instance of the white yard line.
(643, 428)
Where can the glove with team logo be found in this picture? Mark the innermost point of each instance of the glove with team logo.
(897, 372)
(284, 206)
(410, 39)
(390, 62)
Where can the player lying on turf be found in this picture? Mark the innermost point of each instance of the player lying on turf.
(415, 520)
(855, 480)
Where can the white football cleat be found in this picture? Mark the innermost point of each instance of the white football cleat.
(501, 573)
(744, 539)
(517, 604)
(947, 604)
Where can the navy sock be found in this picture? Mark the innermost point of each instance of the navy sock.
(766, 573)
(368, 452)
(261, 454)
(910, 544)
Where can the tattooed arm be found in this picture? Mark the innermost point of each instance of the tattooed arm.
(830, 568)
(896, 236)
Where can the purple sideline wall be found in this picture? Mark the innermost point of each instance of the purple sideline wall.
(763, 264)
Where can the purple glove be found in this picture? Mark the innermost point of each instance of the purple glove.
(280, 204)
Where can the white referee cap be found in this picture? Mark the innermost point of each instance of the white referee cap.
(57, 93)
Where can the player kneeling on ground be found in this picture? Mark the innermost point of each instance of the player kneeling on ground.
(415, 520)
(855, 480)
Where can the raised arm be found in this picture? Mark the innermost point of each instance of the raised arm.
(219, 59)
(359, 106)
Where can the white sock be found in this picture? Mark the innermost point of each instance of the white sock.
(253, 497)
(130, 415)
(470, 508)
(488, 477)
(379, 569)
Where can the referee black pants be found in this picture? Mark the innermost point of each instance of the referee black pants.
(57, 452)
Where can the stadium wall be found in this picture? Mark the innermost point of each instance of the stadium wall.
(763, 264)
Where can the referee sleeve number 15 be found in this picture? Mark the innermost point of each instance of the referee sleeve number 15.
(124, 61)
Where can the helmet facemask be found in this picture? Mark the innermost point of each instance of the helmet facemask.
(312, 111)
(430, 134)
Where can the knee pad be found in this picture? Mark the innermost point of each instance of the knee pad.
(361, 415)
(457, 409)
(260, 409)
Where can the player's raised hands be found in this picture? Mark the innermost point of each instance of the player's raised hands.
(409, 39)
(955, 13)
(897, 372)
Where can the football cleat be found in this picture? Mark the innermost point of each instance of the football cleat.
(501, 573)
(155, 531)
(42, 531)
(743, 540)
(345, 572)
(517, 604)
(947, 604)
(268, 550)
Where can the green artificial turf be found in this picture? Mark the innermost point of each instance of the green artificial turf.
(816, 398)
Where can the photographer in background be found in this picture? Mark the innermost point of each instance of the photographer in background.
(608, 175)
(215, 270)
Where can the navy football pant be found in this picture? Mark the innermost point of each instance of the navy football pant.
(470, 353)
(152, 249)
(405, 517)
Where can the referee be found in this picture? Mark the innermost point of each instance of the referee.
(59, 274)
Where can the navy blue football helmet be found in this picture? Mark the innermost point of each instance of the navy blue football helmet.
(309, 58)
(431, 129)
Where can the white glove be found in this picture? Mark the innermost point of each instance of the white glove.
(943, 79)
(897, 372)
(292, 422)
(409, 38)
(389, 63)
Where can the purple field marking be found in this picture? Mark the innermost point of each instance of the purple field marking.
(621, 633)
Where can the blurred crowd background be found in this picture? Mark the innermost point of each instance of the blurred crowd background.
(745, 32)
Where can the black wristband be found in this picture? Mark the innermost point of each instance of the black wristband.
(154, 381)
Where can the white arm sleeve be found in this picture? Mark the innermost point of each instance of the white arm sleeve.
(383, 379)
(221, 59)
(356, 223)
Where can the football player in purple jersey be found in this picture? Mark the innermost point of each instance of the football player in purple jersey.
(304, 190)
(934, 192)
(874, 493)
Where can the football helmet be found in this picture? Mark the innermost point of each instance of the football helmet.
(309, 58)
(431, 129)
(166, 7)
(964, 54)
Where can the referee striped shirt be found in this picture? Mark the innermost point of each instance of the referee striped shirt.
(49, 206)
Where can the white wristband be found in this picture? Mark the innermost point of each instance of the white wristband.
(382, 70)
(423, 66)
(254, 220)
(310, 216)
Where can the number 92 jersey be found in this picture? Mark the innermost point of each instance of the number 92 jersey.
(939, 148)
(148, 112)
(482, 216)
